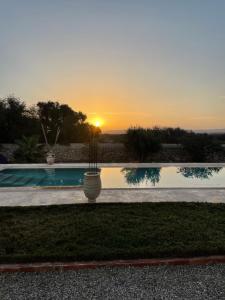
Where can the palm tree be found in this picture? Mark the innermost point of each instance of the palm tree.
(28, 150)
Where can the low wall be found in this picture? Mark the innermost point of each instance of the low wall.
(8, 150)
(112, 152)
(76, 152)
(79, 153)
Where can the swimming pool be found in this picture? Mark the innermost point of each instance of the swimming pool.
(117, 177)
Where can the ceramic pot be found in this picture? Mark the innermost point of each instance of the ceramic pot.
(50, 158)
(92, 185)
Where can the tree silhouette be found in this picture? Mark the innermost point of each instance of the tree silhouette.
(201, 173)
(16, 120)
(136, 176)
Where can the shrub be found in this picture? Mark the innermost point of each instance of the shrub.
(200, 146)
(140, 142)
(29, 150)
(169, 135)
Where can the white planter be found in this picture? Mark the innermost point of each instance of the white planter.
(50, 158)
(92, 185)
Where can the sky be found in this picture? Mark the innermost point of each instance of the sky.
(124, 62)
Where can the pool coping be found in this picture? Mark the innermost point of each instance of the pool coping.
(67, 188)
(75, 266)
(111, 165)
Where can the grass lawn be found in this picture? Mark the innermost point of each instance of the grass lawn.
(111, 231)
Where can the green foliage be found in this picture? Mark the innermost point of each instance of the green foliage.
(72, 125)
(28, 150)
(55, 116)
(84, 131)
(164, 135)
(200, 146)
(169, 135)
(111, 231)
(141, 142)
(16, 120)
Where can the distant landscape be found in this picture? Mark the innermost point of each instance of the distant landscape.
(209, 131)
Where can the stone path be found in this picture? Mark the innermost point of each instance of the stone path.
(32, 196)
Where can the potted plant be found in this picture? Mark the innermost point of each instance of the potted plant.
(92, 179)
(50, 157)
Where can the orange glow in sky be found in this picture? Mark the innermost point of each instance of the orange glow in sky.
(122, 63)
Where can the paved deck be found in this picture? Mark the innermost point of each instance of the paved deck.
(164, 282)
(30, 197)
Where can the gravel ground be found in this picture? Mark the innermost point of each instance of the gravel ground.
(165, 282)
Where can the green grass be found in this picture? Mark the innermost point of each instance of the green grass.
(111, 231)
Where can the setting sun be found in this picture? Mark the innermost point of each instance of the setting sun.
(97, 122)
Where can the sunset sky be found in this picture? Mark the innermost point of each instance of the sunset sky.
(125, 62)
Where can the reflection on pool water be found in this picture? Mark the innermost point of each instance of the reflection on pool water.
(165, 177)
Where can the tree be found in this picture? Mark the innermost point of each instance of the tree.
(140, 142)
(200, 146)
(16, 120)
(72, 121)
(168, 134)
(57, 117)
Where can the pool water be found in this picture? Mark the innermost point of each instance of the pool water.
(165, 177)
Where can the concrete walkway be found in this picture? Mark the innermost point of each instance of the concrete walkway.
(34, 196)
(164, 282)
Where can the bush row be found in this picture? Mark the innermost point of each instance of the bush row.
(141, 142)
